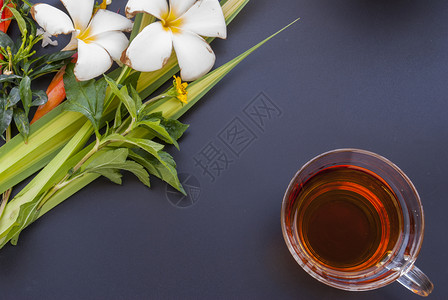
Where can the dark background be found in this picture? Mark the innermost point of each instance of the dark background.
(368, 74)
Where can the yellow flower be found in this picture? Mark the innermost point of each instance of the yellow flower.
(181, 89)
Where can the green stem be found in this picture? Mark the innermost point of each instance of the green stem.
(108, 100)
(120, 128)
(64, 181)
(130, 127)
(124, 74)
(84, 159)
(3, 204)
(67, 182)
(47, 196)
(10, 65)
(98, 146)
(132, 121)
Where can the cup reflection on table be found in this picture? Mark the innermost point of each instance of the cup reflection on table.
(353, 220)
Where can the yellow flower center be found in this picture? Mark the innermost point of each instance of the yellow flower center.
(181, 89)
(170, 21)
(85, 36)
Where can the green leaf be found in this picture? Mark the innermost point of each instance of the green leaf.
(168, 130)
(232, 10)
(117, 120)
(101, 86)
(20, 21)
(15, 48)
(159, 130)
(158, 162)
(86, 97)
(28, 214)
(141, 21)
(163, 167)
(31, 25)
(113, 175)
(46, 69)
(123, 95)
(9, 78)
(25, 67)
(147, 145)
(132, 79)
(137, 170)
(40, 98)
(104, 158)
(13, 97)
(136, 97)
(5, 115)
(23, 208)
(5, 41)
(25, 93)
(22, 123)
(175, 128)
(109, 162)
(53, 57)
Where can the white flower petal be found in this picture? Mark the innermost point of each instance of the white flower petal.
(93, 60)
(115, 42)
(51, 19)
(153, 7)
(205, 18)
(194, 55)
(80, 11)
(150, 49)
(105, 20)
(179, 7)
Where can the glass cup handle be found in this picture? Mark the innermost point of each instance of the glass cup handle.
(416, 281)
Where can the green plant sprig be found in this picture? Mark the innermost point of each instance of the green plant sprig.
(20, 66)
(112, 149)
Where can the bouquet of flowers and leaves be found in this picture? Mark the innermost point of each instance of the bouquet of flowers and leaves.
(130, 124)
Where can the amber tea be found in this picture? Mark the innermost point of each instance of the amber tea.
(354, 221)
(346, 217)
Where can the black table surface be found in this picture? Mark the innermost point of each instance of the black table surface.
(369, 74)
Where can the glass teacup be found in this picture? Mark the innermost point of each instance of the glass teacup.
(354, 221)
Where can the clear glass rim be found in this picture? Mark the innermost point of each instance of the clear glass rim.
(362, 285)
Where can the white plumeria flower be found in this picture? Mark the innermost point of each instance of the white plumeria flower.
(181, 25)
(99, 38)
